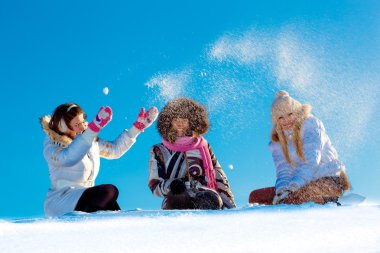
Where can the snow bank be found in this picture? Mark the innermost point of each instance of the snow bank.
(308, 228)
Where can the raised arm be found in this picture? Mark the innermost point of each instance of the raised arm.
(58, 155)
(118, 147)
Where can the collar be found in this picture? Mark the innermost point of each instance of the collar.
(62, 140)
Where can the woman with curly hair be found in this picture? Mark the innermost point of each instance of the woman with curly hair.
(307, 164)
(183, 168)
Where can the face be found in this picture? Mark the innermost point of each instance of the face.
(287, 121)
(78, 125)
(180, 125)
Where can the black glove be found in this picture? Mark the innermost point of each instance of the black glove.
(177, 186)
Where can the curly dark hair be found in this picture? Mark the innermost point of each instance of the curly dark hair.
(185, 108)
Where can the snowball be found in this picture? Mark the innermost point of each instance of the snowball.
(231, 167)
(105, 91)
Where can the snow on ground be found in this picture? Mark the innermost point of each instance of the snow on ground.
(306, 228)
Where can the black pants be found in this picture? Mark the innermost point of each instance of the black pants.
(99, 198)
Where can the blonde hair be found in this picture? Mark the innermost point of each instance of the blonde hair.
(284, 103)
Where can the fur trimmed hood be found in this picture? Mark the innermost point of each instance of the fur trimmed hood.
(62, 140)
(182, 108)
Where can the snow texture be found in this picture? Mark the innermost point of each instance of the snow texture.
(283, 228)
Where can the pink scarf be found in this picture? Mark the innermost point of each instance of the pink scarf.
(184, 144)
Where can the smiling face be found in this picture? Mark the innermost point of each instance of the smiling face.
(287, 121)
(180, 125)
(77, 126)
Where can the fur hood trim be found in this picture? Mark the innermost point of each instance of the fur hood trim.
(62, 140)
(185, 108)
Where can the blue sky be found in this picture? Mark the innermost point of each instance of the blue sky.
(231, 56)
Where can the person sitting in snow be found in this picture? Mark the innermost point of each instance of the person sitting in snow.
(183, 168)
(72, 151)
(307, 164)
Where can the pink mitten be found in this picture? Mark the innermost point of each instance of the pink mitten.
(145, 119)
(101, 119)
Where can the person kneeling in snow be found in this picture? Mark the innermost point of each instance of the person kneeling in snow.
(307, 164)
(183, 169)
(72, 150)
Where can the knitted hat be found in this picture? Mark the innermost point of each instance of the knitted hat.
(284, 104)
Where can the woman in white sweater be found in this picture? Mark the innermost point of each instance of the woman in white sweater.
(72, 151)
(307, 164)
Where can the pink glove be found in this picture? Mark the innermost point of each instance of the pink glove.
(145, 119)
(101, 119)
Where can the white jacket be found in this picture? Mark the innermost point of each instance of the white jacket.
(321, 158)
(74, 165)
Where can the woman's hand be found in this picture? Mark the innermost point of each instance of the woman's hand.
(280, 196)
(177, 186)
(103, 117)
(145, 119)
(283, 193)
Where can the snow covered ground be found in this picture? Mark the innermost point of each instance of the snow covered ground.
(306, 228)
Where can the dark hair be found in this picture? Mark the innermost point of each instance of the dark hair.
(185, 108)
(66, 112)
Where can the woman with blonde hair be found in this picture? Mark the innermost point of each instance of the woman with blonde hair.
(183, 168)
(307, 164)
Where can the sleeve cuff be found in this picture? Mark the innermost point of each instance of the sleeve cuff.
(280, 189)
(133, 132)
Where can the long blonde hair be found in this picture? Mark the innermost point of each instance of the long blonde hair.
(302, 112)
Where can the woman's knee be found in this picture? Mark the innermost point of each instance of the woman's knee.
(177, 201)
(316, 191)
(207, 199)
(111, 190)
